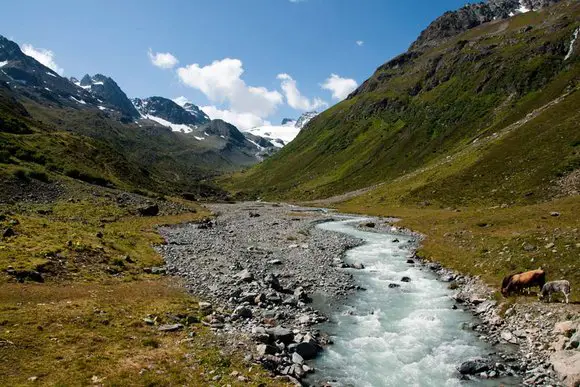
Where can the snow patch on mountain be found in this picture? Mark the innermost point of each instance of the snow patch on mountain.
(571, 48)
(3, 63)
(172, 126)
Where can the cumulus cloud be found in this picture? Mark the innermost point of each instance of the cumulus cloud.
(242, 121)
(221, 83)
(46, 57)
(360, 42)
(340, 87)
(295, 99)
(163, 60)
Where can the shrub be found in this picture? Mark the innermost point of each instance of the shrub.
(39, 175)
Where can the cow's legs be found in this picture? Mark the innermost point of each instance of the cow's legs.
(566, 296)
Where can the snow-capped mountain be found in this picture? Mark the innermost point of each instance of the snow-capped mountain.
(305, 118)
(168, 113)
(105, 89)
(281, 135)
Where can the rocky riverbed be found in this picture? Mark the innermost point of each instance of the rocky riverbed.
(259, 265)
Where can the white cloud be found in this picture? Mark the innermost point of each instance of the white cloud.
(46, 57)
(242, 121)
(295, 99)
(221, 82)
(180, 100)
(163, 60)
(360, 42)
(340, 87)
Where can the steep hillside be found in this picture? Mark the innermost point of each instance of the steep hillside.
(489, 109)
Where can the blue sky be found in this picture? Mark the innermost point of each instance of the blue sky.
(281, 52)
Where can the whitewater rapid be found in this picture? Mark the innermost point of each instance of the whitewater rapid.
(404, 336)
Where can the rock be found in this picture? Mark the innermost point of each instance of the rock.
(275, 262)
(148, 210)
(301, 295)
(358, 266)
(204, 307)
(549, 245)
(395, 240)
(567, 366)
(307, 350)
(149, 321)
(272, 281)
(473, 366)
(283, 334)
(265, 349)
(574, 341)
(158, 270)
(554, 213)
(410, 261)
(243, 312)
(393, 286)
(566, 328)
(9, 232)
(406, 279)
(508, 336)
(370, 225)
(254, 215)
(528, 247)
(245, 276)
(170, 327)
(297, 359)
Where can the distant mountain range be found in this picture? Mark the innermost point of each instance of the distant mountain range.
(150, 142)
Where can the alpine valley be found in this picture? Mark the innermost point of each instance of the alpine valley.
(384, 241)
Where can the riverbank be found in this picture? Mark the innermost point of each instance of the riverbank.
(259, 265)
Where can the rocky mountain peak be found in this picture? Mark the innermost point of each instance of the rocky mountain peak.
(107, 90)
(170, 111)
(305, 118)
(472, 15)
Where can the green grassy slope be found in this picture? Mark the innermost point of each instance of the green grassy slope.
(89, 146)
(449, 109)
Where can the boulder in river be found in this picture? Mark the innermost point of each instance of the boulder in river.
(473, 366)
(307, 350)
(393, 286)
(406, 279)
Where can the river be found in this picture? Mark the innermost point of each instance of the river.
(409, 335)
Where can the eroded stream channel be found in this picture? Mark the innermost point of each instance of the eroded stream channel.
(273, 274)
(402, 330)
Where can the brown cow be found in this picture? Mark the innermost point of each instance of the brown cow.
(521, 281)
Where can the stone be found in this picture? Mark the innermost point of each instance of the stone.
(275, 262)
(265, 349)
(508, 336)
(549, 245)
(410, 261)
(529, 247)
(395, 240)
(406, 279)
(170, 327)
(148, 210)
(297, 359)
(567, 366)
(473, 366)
(9, 232)
(574, 342)
(242, 311)
(370, 225)
(283, 334)
(393, 286)
(358, 266)
(260, 298)
(245, 276)
(204, 306)
(554, 214)
(272, 281)
(566, 328)
(307, 350)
